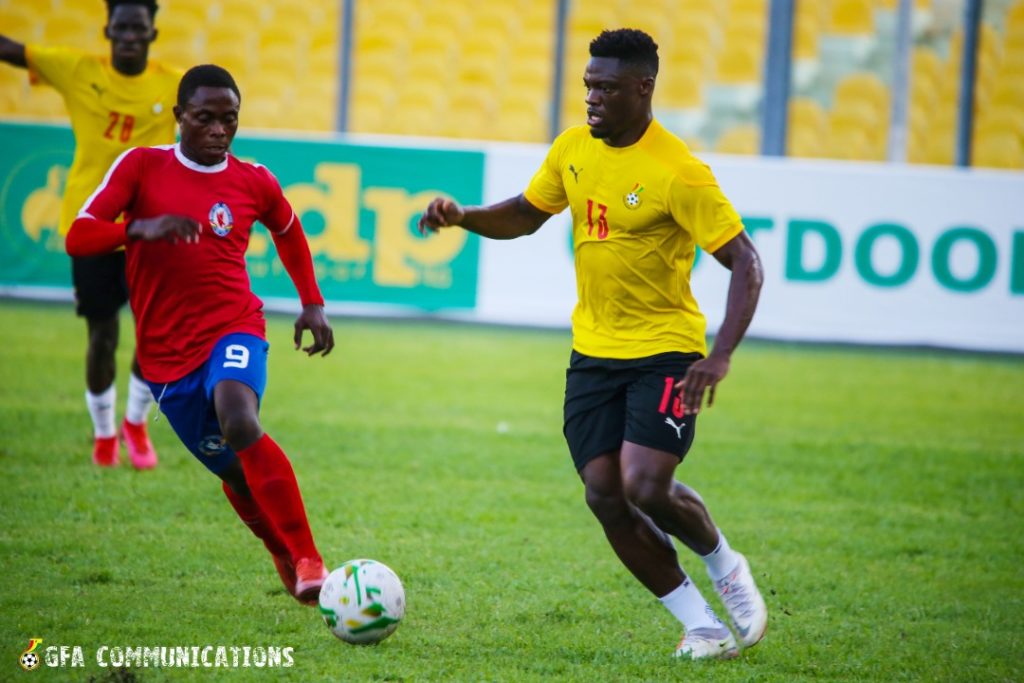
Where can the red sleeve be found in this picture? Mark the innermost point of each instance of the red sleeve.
(95, 230)
(290, 240)
(293, 250)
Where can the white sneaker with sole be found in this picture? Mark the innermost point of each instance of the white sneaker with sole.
(744, 603)
(707, 643)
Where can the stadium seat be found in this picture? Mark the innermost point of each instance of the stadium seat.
(743, 139)
(1000, 150)
(848, 144)
(806, 114)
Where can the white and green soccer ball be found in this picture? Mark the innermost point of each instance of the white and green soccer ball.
(362, 602)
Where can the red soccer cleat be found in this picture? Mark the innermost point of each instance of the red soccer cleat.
(140, 448)
(106, 452)
(310, 574)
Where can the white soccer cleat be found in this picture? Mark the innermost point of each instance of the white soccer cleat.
(707, 643)
(744, 603)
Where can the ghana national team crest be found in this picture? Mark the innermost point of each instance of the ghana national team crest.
(221, 220)
(632, 198)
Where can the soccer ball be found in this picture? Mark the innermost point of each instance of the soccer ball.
(362, 602)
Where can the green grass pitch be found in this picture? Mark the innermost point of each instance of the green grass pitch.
(878, 495)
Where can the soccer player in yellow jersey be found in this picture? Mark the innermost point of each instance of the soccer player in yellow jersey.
(641, 203)
(115, 103)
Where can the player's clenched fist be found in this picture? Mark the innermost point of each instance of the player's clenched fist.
(441, 213)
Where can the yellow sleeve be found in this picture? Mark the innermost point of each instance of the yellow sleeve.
(700, 206)
(546, 190)
(53, 65)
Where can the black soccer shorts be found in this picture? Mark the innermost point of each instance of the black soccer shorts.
(608, 401)
(100, 285)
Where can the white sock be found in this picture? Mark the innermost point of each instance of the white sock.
(101, 409)
(722, 559)
(690, 608)
(140, 398)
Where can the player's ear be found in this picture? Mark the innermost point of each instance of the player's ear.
(154, 35)
(646, 85)
(106, 31)
(177, 113)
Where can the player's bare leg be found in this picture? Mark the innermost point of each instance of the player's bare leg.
(651, 557)
(101, 394)
(271, 482)
(648, 480)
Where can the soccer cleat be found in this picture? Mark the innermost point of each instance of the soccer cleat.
(707, 643)
(744, 603)
(106, 452)
(286, 570)
(140, 448)
(310, 574)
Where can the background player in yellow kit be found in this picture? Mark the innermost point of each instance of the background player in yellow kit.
(641, 203)
(115, 103)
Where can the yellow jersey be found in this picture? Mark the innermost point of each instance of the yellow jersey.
(109, 112)
(638, 214)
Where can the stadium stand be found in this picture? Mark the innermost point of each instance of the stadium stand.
(466, 69)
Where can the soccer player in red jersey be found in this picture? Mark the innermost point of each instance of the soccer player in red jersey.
(200, 333)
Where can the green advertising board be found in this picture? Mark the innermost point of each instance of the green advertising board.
(358, 205)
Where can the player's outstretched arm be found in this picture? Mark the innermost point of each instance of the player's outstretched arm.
(505, 220)
(12, 52)
(740, 256)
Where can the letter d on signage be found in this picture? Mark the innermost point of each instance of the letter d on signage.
(831, 242)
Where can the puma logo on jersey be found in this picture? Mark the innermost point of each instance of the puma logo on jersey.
(575, 173)
(98, 89)
(677, 427)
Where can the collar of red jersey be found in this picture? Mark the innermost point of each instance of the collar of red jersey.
(188, 163)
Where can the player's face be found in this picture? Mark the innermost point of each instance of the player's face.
(618, 100)
(130, 31)
(208, 124)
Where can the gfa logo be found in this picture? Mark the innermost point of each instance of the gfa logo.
(29, 659)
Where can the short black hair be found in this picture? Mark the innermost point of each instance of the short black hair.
(629, 45)
(148, 4)
(204, 75)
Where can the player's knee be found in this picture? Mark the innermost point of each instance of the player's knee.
(240, 429)
(647, 494)
(610, 507)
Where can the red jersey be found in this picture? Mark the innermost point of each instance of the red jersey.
(186, 296)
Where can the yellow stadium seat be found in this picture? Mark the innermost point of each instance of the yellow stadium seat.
(194, 13)
(925, 64)
(743, 139)
(1015, 18)
(848, 144)
(1000, 120)
(804, 144)
(851, 18)
(1002, 150)
(739, 65)
(806, 114)
(736, 8)
(866, 88)
(680, 87)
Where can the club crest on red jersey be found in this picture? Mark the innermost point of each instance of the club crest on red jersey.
(221, 220)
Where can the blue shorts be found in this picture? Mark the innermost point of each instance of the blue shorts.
(188, 402)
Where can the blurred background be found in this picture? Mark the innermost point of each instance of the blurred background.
(878, 80)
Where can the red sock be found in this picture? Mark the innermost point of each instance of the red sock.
(250, 513)
(274, 489)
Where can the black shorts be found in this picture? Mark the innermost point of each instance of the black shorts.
(608, 401)
(100, 286)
